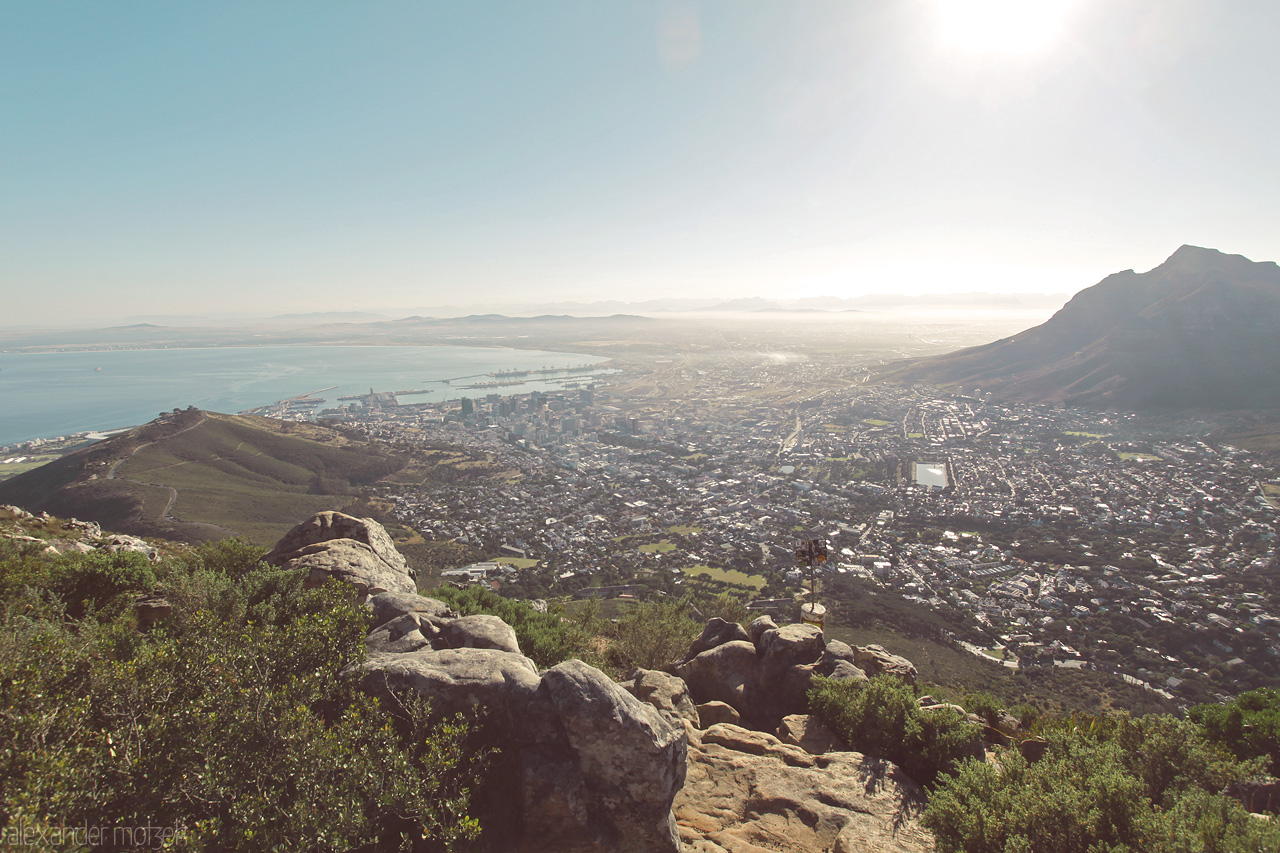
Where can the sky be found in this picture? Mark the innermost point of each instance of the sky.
(271, 157)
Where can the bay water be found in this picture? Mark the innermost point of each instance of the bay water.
(43, 395)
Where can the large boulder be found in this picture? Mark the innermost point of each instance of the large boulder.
(726, 673)
(480, 632)
(664, 691)
(747, 792)
(505, 684)
(358, 551)
(631, 760)
(386, 606)
(717, 632)
(876, 660)
(807, 732)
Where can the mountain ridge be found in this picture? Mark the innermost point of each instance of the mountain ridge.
(1195, 332)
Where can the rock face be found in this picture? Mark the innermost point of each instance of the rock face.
(747, 792)
(358, 551)
(764, 673)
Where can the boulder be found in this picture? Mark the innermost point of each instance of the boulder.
(785, 647)
(479, 632)
(725, 673)
(666, 692)
(631, 760)
(876, 660)
(358, 551)
(710, 713)
(120, 543)
(757, 629)
(466, 679)
(807, 732)
(717, 632)
(406, 633)
(1033, 749)
(747, 792)
(845, 671)
(386, 606)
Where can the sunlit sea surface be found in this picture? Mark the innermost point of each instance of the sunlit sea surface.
(43, 395)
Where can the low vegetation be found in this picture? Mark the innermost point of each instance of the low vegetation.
(227, 725)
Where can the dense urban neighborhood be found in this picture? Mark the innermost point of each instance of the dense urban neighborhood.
(1062, 538)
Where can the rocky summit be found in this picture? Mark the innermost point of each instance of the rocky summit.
(655, 764)
(1196, 332)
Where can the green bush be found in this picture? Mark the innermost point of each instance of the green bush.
(883, 719)
(546, 638)
(651, 634)
(1249, 725)
(98, 580)
(1117, 785)
(230, 724)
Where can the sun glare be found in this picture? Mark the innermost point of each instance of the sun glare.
(1001, 26)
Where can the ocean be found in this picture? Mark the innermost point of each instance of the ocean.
(43, 395)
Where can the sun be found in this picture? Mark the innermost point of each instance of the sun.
(1001, 26)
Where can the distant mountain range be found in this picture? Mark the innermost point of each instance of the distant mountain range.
(1197, 332)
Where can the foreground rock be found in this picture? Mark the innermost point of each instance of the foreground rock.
(747, 792)
(358, 551)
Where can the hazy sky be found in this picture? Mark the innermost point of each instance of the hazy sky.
(181, 157)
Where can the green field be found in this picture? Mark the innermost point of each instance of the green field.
(14, 468)
(1139, 457)
(657, 547)
(684, 529)
(875, 422)
(726, 576)
(518, 562)
(1085, 434)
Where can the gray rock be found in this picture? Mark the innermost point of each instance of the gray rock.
(788, 646)
(358, 551)
(876, 660)
(711, 713)
(479, 632)
(845, 671)
(466, 679)
(120, 543)
(759, 626)
(406, 633)
(351, 562)
(631, 759)
(386, 606)
(717, 632)
(726, 673)
(666, 692)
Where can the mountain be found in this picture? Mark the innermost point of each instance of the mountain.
(1198, 331)
(194, 475)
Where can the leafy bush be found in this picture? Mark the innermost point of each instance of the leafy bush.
(883, 719)
(1249, 725)
(651, 634)
(1116, 785)
(93, 581)
(546, 638)
(230, 724)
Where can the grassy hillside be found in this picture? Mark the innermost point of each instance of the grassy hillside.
(200, 475)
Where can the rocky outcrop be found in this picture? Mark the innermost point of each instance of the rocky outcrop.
(666, 693)
(747, 792)
(765, 672)
(358, 551)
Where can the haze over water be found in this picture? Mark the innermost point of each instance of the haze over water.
(51, 394)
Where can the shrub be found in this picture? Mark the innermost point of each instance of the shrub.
(883, 719)
(1116, 784)
(1249, 725)
(234, 726)
(651, 634)
(98, 580)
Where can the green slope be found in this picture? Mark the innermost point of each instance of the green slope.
(201, 475)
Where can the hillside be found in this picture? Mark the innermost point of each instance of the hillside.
(1196, 332)
(194, 476)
